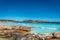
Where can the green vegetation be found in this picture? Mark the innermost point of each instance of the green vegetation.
(27, 21)
(8, 21)
(38, 21)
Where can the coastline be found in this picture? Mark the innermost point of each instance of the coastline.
(21, 31)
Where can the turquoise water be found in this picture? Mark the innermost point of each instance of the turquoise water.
(38, 27)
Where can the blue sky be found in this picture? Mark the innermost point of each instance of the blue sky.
(30, 9)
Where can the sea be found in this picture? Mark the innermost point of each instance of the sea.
(43, 27)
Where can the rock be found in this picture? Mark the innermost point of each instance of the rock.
(27, 29)
(57, 34)
(47, 35)
(14, 31)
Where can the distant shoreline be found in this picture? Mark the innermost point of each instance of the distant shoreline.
(28, 21)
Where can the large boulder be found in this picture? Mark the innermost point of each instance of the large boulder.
(47, 35)
(57, 34)
(25, 28)
(10, 30)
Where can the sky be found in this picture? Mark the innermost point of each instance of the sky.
(30, 9)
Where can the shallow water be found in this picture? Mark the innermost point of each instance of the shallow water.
(38, 27)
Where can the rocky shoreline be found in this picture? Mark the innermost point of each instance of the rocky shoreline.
(24, 33)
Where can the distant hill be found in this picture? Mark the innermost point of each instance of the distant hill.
(31, 21)
(28, 21)
(8, 21)
(38, 21)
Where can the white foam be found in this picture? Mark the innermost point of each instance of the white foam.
(52, 28)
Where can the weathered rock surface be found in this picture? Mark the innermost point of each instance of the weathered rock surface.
(57, 34)
(8, 31)
(47, 35)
